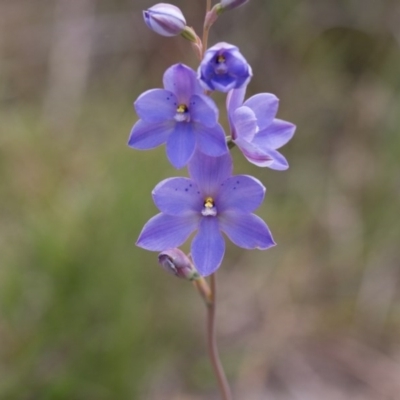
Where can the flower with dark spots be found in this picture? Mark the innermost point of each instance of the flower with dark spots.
(256, 131)
(223, 68)
(210, 202)
(179, 115)
(165, 19)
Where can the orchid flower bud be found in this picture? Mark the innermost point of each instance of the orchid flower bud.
(165, 19)
(219, 8)
(177, 263)
(226, 5)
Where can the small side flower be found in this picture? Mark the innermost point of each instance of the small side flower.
(165, 19)
(223, 68)
(256, 131)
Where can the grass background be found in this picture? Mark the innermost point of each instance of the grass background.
(84, 314)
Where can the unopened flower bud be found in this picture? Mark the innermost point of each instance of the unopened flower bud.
(177, 263)
(226, 5)
(165, 19)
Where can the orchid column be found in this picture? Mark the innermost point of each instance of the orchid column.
(213, 201)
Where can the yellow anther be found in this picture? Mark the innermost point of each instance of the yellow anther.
(209, 202)
(220, 59)
(181, 108)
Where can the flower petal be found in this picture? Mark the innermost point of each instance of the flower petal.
(246, 230)
(238, 67)
(203, 110)
(279, 162)
(235, 98)
(245, 122)
(205, 76)
(211, 141)
(275, 135)
(181, 144)
(178, 196)
(265, 106)
(209, 172)
(166, 232)
(146, 135)
(156, 105)
(208, 247)
(241, 193)
(253, 153)
(181, 80)
(224, 83)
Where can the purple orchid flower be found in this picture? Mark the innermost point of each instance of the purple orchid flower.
(256, 131)
(211, 201)
(179, 115)
(223, 68)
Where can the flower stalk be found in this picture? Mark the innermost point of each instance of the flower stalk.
(212, 342)
(204, 290)
(206, 28)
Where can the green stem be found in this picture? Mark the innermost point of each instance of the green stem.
(212, 343)
(205, 29)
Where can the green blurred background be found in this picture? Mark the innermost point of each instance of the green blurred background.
(84, 314)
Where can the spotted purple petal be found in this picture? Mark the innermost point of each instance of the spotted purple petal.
(178, 196)
(203, 110)
(156, 105)
(210, 172)
(182, 81)
(240, 193)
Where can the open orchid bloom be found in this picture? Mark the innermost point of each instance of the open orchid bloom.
(256, 131)
(210, 202)
(179, 115)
